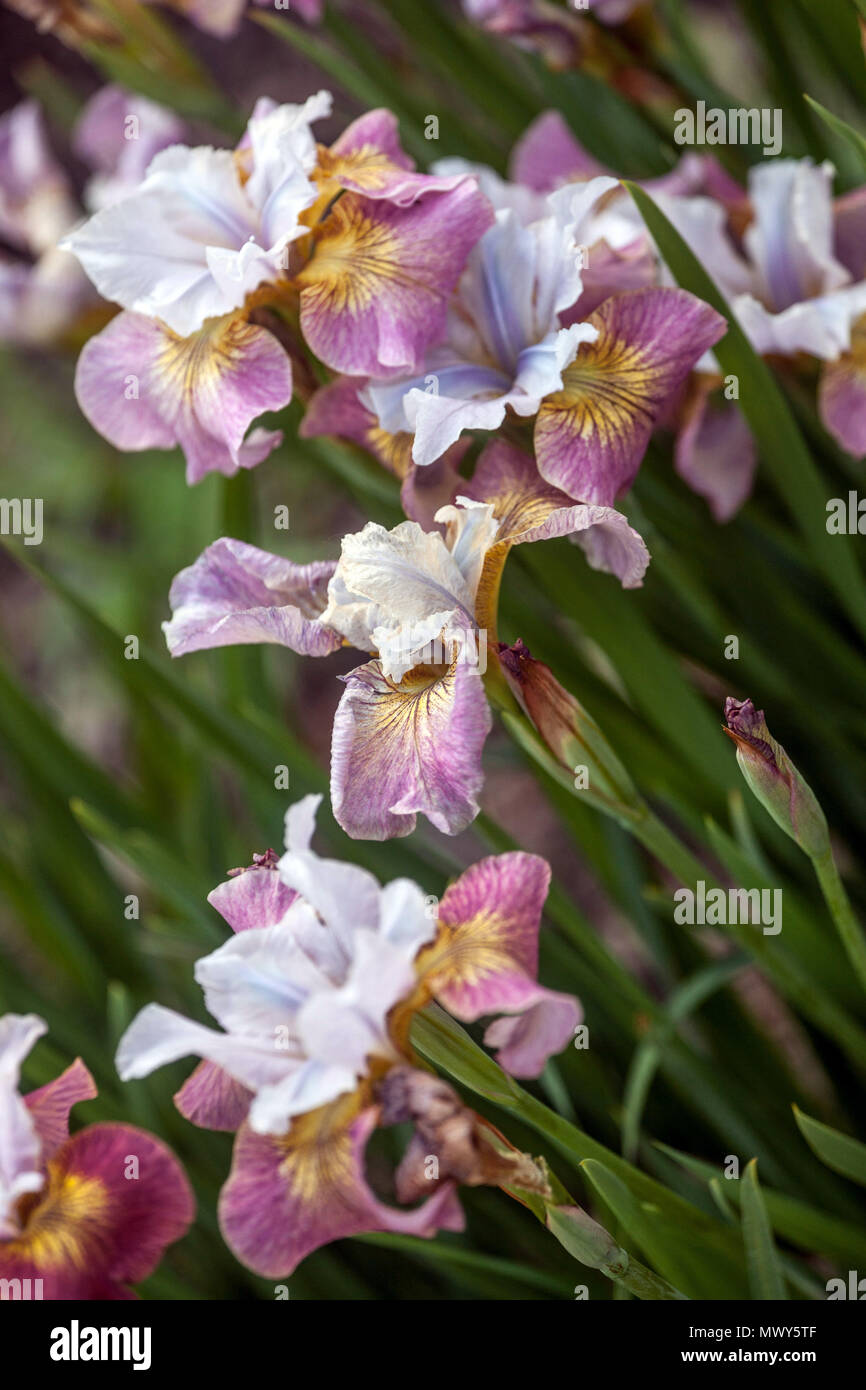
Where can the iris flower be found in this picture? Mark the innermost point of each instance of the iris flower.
(315, 994)
(86, 1215)
(411, 724)
(345, 246)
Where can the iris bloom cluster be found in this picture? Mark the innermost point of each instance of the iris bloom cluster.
(443, 304)
(80, 1217)
(315, 993)
(788, 257)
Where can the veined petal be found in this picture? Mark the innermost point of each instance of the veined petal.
(142, 387)
(50, 1105)
(529, 509)
(212, 1099)
(368, 159)
(590, 437)
(400, 749)
(484, 959)
(842, 395)
(236, 593)
(374, 294)
(97, 1228)
(288, 1196)
(338, 409)
(255, 897)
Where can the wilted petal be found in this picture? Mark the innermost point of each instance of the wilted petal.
(50, 1105)
(115, 1198)
(374, 294)
(485, 959)
(715, 451)
(590, 437)
(142, 387)
(236, 593)
(408, 747)
(288, 1196)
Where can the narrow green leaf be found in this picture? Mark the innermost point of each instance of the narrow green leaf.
(765, 1276)
(842, 129)
(839, 1151)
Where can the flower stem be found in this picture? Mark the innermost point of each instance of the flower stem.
(839, 905)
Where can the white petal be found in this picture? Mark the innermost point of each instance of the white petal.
(20, 1150)
(149, 252)
(256, 981)
(311, 1085)
(158, 1036)
(791, 238)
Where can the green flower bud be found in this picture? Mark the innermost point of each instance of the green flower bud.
(774, 779)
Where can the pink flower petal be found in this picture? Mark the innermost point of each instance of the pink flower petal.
(374, 293)
(287, 1196)
(590, 437)
(403, 748)
(236, 593)
(142, 387)
(485, 960)
(50, 1105)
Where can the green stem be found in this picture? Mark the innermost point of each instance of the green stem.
(836, 898)
(788, 975)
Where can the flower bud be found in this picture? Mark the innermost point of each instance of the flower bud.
(774, 779)
(585, 1239)
(571, 735)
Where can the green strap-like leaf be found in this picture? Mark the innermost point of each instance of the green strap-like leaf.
(839, 1151)
(765, 1276)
